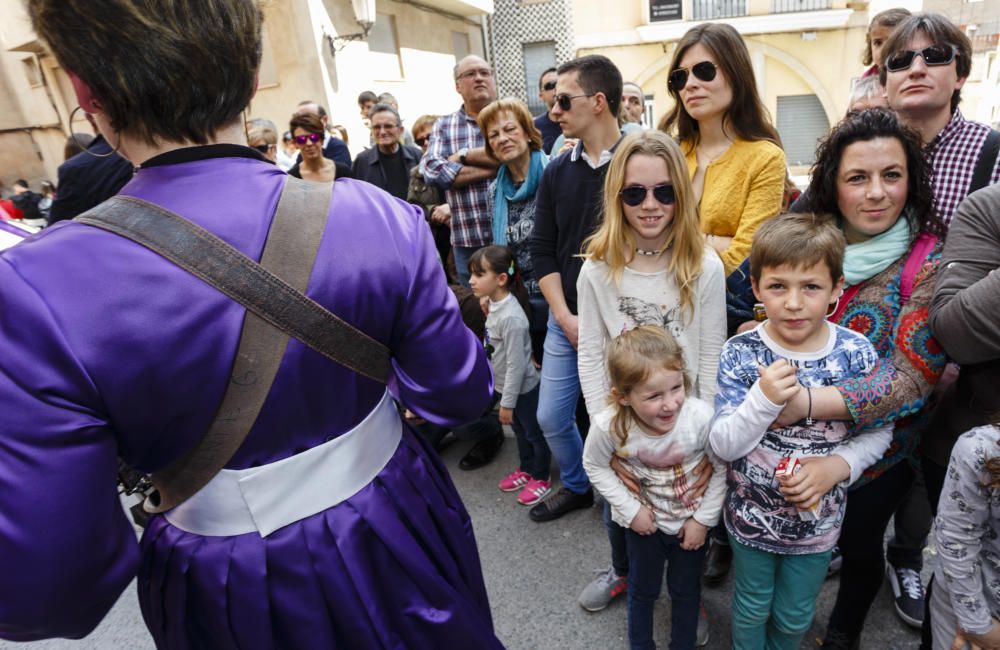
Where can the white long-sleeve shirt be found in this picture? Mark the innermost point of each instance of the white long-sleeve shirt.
(757, 514)
(606, 310)
(663, 465)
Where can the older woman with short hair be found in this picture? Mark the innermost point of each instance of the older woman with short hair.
(117, 352)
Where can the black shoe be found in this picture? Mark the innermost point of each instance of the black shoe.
(482, 452)
(560, 503)
(720, 557)
(837, 640)
(908, 594)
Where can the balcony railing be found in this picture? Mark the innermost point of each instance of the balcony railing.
(788, 6)
(712, 9)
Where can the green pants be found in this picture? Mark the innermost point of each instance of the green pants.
(774, 597)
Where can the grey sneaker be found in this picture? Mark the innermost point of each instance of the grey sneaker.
(908, 594)
(701, 637)
(602, 590)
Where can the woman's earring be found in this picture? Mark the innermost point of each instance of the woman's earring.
(836, 306)
(85, 150)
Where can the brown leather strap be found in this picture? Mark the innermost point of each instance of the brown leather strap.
(276, 307)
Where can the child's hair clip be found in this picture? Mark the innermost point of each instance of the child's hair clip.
(510, 269)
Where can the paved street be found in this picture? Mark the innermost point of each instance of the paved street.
(534, 573)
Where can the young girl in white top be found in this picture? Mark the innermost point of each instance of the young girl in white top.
(493, 275)
(647, 264)
(662, 435)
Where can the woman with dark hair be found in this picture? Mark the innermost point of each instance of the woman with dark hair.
(128, 356)
(733, 153)
(307, 133)
(871, 173)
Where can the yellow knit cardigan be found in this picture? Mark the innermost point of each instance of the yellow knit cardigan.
(743, 189)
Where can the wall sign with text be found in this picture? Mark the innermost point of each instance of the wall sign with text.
(660, 10)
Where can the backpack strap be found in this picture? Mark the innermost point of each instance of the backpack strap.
(276, 309)
(986, 162)
(914, 262)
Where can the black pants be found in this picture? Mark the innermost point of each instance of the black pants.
(869, 509)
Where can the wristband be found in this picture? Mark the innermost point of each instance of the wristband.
(809, 414)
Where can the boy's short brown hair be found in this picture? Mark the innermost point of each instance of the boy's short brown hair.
(800, 241)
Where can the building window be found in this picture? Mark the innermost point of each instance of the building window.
(32, 71)
(663, 10)
(786, 6)
(647, 114)
(712, 9)
(460, 45)
(383, 48)
(801, 124)
(538, 57)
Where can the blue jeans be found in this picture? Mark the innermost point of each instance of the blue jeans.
(557, 397)
(774, 597)
(619, 548)
(462, 255)
(646, 554)
(532, 451)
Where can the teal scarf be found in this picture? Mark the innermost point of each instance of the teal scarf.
(505, 193)
(867, 259)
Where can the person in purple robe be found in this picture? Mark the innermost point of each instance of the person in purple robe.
(108, 350)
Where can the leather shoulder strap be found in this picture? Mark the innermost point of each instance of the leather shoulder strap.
(276, 308)
(985, 162)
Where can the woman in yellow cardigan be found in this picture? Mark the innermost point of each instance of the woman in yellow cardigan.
(733, 153)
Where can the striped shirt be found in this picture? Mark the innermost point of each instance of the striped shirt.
(471, 225)
(953, 154)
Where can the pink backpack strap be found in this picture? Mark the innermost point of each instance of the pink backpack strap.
(918, 253)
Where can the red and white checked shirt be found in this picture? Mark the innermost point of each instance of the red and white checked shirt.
(953, 154)
(471, 225)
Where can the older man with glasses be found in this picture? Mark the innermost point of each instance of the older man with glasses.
(387, 165)
(457, 162)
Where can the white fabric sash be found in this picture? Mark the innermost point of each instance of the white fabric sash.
(264, 499)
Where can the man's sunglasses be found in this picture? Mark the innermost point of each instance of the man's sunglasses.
(634, 195)
(705, 71)
(933, 55)
(565, 101)
(551, 85)
(312, 137)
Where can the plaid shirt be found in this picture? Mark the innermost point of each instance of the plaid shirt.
(953, 154)
(471, 225)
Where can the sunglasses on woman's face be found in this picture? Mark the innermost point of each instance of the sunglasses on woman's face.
(422, 141)
(634, 195)
(705, 71)
(312, 137)
(933, 55)
(263, 148)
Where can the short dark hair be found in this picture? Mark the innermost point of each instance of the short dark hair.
(21, 182)
(149, 74)
(307, 122)
(862, 126)
(799, 240)
(366, 96)
(385, 108)
(939, 30)
(597, 74)
(542, 76)
(319, 107)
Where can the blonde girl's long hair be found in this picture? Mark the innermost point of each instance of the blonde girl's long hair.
(614, 242)
(631, 358)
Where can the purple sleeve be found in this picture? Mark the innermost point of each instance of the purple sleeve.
(67, 549)
(440, 369)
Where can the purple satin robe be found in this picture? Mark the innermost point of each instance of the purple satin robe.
(107, 349)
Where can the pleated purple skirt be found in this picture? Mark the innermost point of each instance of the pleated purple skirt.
(394, 566)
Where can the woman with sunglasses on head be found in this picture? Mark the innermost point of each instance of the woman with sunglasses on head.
(647, 264)
(307, 133)
(733, 153)
(357, 537)
(431, 199)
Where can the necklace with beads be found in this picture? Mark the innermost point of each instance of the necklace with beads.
(649, 253)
